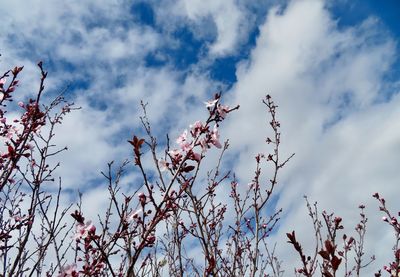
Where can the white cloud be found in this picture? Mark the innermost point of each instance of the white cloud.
(227, 21)
(321, 75)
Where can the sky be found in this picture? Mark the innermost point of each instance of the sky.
(332, 67)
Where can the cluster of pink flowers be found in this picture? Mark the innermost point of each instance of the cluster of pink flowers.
(84, 230)
(16, 132)
(5, 93)
(199, 135)
(221, 110)
(69, 271)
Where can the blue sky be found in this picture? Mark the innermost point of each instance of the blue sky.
(353, 12)
(333, 67)
(347, 13)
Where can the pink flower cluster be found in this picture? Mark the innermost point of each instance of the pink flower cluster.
(84, 230)
(15, 133)
(69, 271)
(221, 110)
(5, 93)
(200, 136)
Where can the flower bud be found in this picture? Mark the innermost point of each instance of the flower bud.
(142, 198)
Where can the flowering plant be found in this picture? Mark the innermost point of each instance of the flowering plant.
(155, 229)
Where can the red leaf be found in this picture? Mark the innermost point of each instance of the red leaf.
(335, 262)
(329, 247)
(11, 151)
(324, 254)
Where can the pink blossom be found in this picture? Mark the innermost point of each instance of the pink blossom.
(68, 271)
(187, 147)
(83, 230)
(215, 137)
(222, 110)
(2, 81)
(1, 96)
(196, 156)
(183, 143)
(163, 165)
(3, 120)
(175, 154)
(182, 138)
(196, 128)
(211, 103)
(197, 124)
(204, 145)
(10, 134)
(21, 104)
(18, 218)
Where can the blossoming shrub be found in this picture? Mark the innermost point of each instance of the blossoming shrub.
(30, 222)
(154, 230)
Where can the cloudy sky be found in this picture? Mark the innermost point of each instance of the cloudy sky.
(333, 68)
